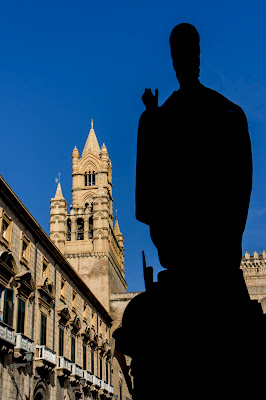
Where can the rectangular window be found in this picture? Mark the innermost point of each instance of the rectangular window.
(101, 328)
(93, 320)
(84, 357)
(43, 329)
(107, 372)
(45, 268)
(85, 312)
(61, 342)
(25, 250)
(63, 288)
(21, 316)
(5, 228)
(92, 361)
(74, 299)
(120, 392)
(73, 349)
(101, 368)
(8, 307)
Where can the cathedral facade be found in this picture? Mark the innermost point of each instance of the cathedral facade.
(61, 297)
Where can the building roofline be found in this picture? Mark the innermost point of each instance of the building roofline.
(30, 221)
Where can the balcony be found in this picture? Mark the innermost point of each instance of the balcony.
(110, 389)
(96, 381)
(45, 357)
(88, 376)
(76, 371)
(63, 366)
(24, 343)
(106, 387)
(7, 336)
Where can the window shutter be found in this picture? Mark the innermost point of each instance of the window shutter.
(61, 341)
(73, 349)
(8, 307)
(43, 330)
(21, 316)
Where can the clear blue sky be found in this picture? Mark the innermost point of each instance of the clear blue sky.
(65, 62)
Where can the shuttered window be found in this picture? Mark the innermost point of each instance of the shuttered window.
(73, 349)
(43, 329)
(92, 361)
(21, 315)
(84, 357)
(8, 307)
(61, 342)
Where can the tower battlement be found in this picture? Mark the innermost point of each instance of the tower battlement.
(254, 272)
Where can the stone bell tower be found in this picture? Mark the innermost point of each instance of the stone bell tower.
(89, 241)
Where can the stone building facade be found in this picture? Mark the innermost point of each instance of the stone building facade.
(62, 297)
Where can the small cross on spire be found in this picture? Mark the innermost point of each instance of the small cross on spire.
(57, 180)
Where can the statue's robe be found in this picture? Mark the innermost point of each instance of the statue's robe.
(194, 175)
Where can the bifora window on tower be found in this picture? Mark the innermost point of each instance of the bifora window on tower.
(89, 178)
(91, 227)
(68, 235)
(80, 229)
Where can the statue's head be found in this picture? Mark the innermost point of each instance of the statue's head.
(185, 52)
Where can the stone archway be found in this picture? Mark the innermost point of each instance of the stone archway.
(41, 391)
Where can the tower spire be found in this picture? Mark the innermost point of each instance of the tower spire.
(59, 193)
(91, 144)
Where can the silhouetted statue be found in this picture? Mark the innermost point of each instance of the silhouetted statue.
(187, 334)
(194, 165)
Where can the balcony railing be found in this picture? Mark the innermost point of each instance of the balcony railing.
(107, 387)
(76, 370)
(24, 343)
(104, 385)
(111, 388)
(46, 354)
(64, 363)
(88, 376)
(96, 381)
(7, 333)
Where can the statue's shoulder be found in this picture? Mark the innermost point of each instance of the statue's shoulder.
(170, 102)
(222, 103)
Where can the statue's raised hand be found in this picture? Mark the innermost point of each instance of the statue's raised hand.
(150, 101)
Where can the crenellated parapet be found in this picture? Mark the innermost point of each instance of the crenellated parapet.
(254, 272)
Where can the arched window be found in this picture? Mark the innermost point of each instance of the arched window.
(89, 178)
(68, 236)
(91, 227)
(93, 178)
(85, 179)
(80, 229)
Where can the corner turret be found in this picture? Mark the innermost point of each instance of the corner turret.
(58, 215)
